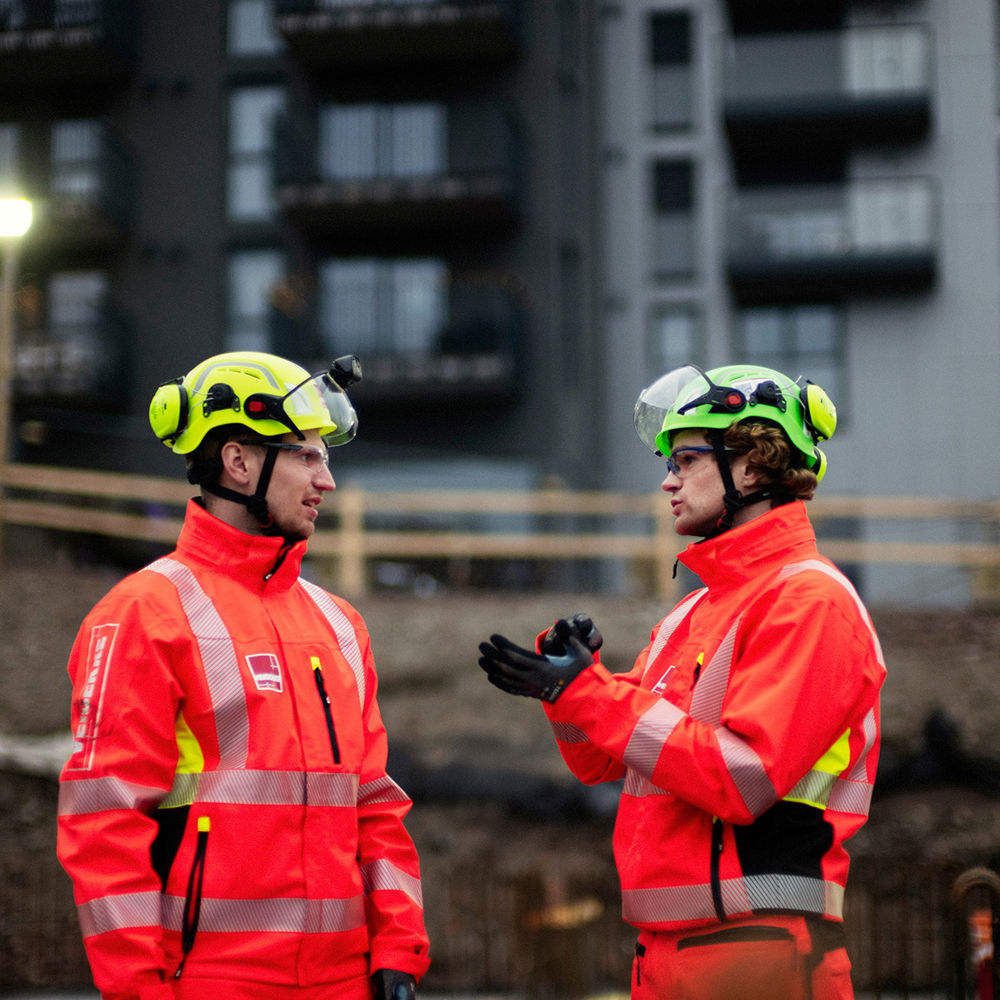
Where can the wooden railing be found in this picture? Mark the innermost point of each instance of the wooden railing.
(546, 525)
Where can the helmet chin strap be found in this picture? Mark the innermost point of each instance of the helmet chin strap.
(256, 502)
(733, 500)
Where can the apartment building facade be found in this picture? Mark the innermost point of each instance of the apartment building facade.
(518, 213)
(409, 182)
(814, 186)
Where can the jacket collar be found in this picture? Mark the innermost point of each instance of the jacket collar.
(740, 554)
(254, 560)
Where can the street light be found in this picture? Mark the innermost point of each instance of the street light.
(15, 220)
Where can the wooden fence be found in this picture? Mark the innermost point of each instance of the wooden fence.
(543, 525)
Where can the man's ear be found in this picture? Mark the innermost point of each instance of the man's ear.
(745, 479)
(237, 463)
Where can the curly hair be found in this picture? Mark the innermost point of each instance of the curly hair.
(770, 455)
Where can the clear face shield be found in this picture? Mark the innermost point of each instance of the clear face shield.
(319, 401)
(658, 399)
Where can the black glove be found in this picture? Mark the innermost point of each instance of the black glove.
(582, 627)
(389, 984)
(520, 671)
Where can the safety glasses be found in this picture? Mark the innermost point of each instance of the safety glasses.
(681, 460)
(313, 458)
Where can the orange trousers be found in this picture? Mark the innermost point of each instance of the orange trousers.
(771, 957)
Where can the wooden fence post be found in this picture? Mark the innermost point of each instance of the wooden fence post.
(666, 552)
(351, 577)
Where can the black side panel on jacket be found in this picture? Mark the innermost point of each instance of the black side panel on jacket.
(168, 840)
(790, 838)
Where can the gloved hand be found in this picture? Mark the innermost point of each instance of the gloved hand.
(390, 984)
(521, 671)
(582, 627)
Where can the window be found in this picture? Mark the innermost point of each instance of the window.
(382, 306)
(252, 111)
(673, 338)
(673, 237)
(798, 340)
(251, 28)
(12, 15)
(76, 148)
(364, 141)
(253, 275)
(670, 56)
(79, 346)
(10, 174)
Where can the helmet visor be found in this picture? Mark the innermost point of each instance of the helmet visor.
(320, 403)
(658, 399)
(316, 403)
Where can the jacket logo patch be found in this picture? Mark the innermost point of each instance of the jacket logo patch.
(661, 685)
(102, 641)
(266, 671)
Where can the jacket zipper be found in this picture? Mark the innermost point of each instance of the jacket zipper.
(192, 898)
(327, 711)
(718, 829)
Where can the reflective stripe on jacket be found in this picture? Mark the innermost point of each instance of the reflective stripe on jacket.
(217, 691)
(747, 734)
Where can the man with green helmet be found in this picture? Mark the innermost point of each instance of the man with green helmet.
(747, 732)
(226, 816)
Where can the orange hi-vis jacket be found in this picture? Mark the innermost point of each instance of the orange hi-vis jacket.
(747, 734)
(226, 816)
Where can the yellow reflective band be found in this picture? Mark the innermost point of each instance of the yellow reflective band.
(190, 759)
(814, 789)
(204, 824)
(836, 759)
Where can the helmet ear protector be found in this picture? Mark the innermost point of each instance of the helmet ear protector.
(818, 411)
(168, 410)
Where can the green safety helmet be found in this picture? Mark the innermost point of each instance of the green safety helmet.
(688, 398)
(265, 393)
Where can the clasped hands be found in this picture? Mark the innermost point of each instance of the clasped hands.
(566, 650)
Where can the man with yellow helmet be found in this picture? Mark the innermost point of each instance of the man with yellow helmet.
(747, 732)
(226, 816)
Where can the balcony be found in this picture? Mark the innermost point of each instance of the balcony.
(49, 44)
(470, 358)
(832, 241)
(75, 366)
(90, 203)
(331, 36)
(828, 89)
(457, 171)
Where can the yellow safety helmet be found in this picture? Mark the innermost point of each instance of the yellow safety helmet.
(263, 392)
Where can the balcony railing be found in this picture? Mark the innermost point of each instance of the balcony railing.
(332, 35)
(840, 88)
(473, 355)
(833, 238)
(474, 181)
(83, 366)
(49, 43)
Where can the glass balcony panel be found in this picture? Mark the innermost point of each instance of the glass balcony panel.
(858, 62)
(867, 230)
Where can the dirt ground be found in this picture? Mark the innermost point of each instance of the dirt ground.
(488, 785)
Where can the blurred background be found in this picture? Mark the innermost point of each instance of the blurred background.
(518, 213)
